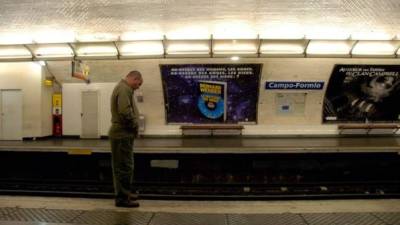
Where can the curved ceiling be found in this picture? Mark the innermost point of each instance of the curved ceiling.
(197, 18)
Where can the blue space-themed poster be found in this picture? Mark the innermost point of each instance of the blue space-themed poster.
(211, 93)
(363, 93)
(211, 100)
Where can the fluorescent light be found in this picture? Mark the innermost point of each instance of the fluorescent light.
(234, 47)
(139, 36)
(96, 50)
(14, 52)
(331, 48)
(141, 48)
(188, 47)
(14, 39)
(375, 48)
(97, 37)
(235, 58)
(282, 47)
(42, 63)
(53, 51)
(55, 37)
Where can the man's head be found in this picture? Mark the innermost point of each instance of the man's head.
(134, 79)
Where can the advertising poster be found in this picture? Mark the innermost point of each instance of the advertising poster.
(211, 93)
(363, 93)
(212, 99)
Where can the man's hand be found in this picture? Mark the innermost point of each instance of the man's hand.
(136, 132)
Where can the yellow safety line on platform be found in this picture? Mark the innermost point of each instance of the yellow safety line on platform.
(79, 152)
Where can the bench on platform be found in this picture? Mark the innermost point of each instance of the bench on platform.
(368, 128)
(211, 130)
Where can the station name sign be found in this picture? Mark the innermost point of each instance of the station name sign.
(294, 85)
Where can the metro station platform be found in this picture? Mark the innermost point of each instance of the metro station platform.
(78, 211)
(209, 167)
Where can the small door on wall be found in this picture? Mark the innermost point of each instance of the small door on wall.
(11, 114)
(89, 115)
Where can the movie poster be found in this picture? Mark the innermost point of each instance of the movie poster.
(363, 93)
(211, 93)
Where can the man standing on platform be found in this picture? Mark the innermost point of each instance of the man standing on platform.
(123, 130)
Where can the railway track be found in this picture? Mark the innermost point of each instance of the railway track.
(207, 191)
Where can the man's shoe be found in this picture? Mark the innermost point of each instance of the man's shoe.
(126, 203)
(133, 196)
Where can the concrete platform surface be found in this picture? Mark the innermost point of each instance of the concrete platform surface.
(219, 145)
(17, 210)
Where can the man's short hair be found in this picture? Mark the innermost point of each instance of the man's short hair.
(134, 74)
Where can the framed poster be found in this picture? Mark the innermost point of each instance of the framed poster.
(363, 93)
(211, 93)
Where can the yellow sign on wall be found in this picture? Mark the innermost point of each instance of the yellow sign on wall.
(48, 82)
(57, 100)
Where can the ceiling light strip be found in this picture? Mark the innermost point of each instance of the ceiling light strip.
(118, 52)
(380, 49)
(352, 48)
(259, 45)
(212, 46)
(164, 44)
(30, 51)
(73, 51)
(397, 50)
(258, 42)
(306, 47)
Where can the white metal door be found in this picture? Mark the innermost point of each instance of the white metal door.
(90, 126)
(11, 114)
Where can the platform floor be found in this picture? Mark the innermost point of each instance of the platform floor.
(73, 211)
(219, 145)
